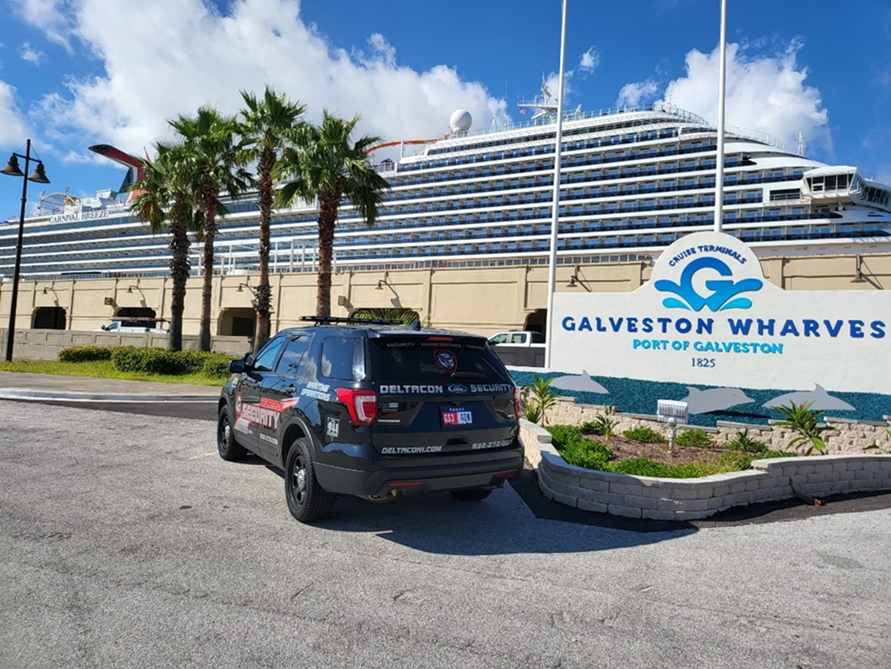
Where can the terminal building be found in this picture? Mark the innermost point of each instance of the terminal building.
(464, 230)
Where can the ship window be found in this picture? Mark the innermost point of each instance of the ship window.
(830, 183)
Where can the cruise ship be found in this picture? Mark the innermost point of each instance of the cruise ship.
(632, 181)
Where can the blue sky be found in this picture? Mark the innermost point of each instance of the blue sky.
(77, 72)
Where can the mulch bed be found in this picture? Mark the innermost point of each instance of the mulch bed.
(626, 449)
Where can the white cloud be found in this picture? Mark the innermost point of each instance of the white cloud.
(765, 93)
(32, 55)
(155, 68)
(12, 128)
(51, 17)
(636, 93)
(589, 61)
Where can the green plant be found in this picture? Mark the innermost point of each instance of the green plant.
(264, 126)
(743, 442)
(216, 365)
(694, 438)
(214, 156)
(804, 422)
(644, 435)
(532, 412)
(324, 164)
(87, 353)
(576, 449)
(163, 361)
(165, 199)
(540, 396)
(603, 425)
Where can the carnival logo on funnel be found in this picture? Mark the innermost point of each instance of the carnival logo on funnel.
(724, 292)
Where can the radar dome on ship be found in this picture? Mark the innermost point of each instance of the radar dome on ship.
(460, 120)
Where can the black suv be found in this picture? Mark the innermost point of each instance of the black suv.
(373, 409)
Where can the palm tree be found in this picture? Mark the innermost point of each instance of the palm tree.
(324, 165)
(209, 139)
(265, 124)
(163, 198)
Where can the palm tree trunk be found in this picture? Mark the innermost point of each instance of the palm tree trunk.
(179, 272)
(263, 295)
(210, 233)
(327, 218)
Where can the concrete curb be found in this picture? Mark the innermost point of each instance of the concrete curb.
(769, 480)
(36, 395)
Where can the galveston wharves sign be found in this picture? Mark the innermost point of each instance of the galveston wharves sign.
(708, 316)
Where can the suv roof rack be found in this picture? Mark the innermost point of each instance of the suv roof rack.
(324, 320)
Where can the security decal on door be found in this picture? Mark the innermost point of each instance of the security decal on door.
(266, 413)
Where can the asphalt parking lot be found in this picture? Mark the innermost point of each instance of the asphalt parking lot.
(125, 540)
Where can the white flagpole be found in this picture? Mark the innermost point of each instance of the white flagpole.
(555, 209)
(722, 93)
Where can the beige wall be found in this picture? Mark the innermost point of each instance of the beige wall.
(478, 300)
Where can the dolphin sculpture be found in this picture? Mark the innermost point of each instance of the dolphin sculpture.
(582, 383)
(714, 399)
(817, 399)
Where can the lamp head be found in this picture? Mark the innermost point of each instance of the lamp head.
(12, 167)
(39, 175)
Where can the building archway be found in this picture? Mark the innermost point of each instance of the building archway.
(137, 317)
(49, 318)
(536, 321)
(237, 322)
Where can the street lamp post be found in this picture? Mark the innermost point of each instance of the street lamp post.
(39, 176)
(555, 207)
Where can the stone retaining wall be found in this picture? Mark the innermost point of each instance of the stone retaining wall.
(38, 344)
(843, 435)
(689, 499)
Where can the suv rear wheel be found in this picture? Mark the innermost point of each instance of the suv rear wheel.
(228, 448)
(307, 501)
(471, 494)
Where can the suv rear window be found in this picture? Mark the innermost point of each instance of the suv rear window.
(400, 361)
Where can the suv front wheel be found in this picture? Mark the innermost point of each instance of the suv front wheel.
(307, 501)
(228, 448)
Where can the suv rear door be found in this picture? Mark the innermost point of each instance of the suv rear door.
(439, 394)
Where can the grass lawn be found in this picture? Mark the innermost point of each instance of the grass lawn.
(103, 369)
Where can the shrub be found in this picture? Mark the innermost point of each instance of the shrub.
(694, 438)
(588, 454)
(647, 467)
(85, 353)
(603, 425)
(743, 442)
(644, 435)
(162, 361)
(539, 397)
(532, 412)
(216, 365)
(805, 424)
(578, 450)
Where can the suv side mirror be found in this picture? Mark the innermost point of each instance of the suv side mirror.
(242, 365)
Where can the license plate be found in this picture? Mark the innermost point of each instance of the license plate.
(455, 417)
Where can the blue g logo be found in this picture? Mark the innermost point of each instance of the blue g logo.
(724, 291)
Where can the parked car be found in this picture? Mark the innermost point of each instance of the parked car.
(523, 348)
(517, 338)
(128, 325)
(373, 409)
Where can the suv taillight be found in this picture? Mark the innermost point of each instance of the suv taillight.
(518, 402)
(361, 405)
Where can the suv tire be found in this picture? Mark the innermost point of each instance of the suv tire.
(471, 494)
(307, 501)
(228, 448)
